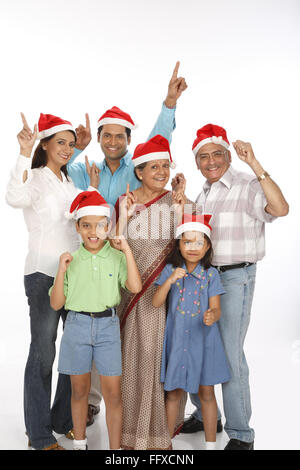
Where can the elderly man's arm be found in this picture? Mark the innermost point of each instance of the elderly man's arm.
(277, 206)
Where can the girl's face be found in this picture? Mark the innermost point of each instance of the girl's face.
(156, 174)
(193, 246)
(59, 149)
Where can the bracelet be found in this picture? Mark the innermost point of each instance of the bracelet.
(263, 176)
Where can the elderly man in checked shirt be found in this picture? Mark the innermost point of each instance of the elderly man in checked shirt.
(241, 204)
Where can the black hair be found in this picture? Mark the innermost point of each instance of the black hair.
(176, 259)
(40, 155)
(127, 130)
(141, 166)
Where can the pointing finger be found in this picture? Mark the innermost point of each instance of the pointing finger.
(87, 122)
(25, 124)
(175, 71)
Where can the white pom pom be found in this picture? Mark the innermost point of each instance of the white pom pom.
(69, 215)
(216, 140)
(172, 165)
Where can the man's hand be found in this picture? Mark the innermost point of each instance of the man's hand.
(179, 183)
(176, 86)
(26, 138)
(93, 172)
(83, 134)
(244, 151)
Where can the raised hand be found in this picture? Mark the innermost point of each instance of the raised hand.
(93, 172)
(26, 138)
(179, 183)
(64, 261)
(127, 204)
(120, 243)
(176, 87)
(244, 151)
(179, 273)
(83, 133)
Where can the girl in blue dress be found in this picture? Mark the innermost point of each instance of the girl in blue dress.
(193, 358)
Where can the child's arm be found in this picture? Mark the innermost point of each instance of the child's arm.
(57, 296)
(213, 314)
(134, 282)
(162, 291)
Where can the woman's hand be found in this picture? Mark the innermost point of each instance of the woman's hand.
(93, 172)
(83, 134)
(26, 138)
(64, 262)
(127, 205)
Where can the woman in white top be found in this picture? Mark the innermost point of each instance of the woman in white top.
(42, 188)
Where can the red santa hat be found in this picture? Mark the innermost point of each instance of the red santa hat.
(157, 148)
(194, 223)
(116, 116)
(210, 134)
(49, 125)
(88, 203)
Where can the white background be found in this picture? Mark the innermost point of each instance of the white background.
(241, 62)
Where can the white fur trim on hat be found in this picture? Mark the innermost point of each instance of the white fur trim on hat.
(121, 122)
(148, 157)
(193, 227)
(211, 140)
(92, 210)
(54, 130)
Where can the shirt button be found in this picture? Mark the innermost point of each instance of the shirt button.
(185, 350)
(95, 268)
(186, 331)
(94, 257)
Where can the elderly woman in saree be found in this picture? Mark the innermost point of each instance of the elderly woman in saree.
(149, 225)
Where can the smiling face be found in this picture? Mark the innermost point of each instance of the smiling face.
(113, 141)
(213, 160)
(59, 149)
(93, 229)
(193, 246)
(155, 175)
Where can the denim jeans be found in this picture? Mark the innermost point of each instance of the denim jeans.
(40, 418)
(236, 307)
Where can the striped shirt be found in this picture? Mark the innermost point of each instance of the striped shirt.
(237, 203)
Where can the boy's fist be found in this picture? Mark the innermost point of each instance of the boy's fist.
(64, 261)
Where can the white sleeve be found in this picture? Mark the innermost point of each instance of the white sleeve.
(19, 193)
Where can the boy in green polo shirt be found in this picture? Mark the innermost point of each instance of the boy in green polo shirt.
(88, 285)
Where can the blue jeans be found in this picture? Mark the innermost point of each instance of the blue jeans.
(236, 308)
(40, 418)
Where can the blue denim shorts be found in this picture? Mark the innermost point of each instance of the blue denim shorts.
(87, 339)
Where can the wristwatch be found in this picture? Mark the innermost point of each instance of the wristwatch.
(263, 176)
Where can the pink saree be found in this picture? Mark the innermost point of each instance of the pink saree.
(142, 332)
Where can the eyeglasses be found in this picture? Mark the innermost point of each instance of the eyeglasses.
(217, 155)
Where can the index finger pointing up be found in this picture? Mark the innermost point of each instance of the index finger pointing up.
(87, 121)
(175, 71)
(25, 124)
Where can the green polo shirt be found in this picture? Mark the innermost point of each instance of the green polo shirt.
(92, 281)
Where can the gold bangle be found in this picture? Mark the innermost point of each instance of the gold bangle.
(263, 176)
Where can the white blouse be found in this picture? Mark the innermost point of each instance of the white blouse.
(44, 199)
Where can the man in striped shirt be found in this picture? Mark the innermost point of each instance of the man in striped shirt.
(241, 204)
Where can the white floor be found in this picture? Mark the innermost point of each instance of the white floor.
(275, 412)
(274, 363)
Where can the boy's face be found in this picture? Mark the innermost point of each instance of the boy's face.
(93, 229)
